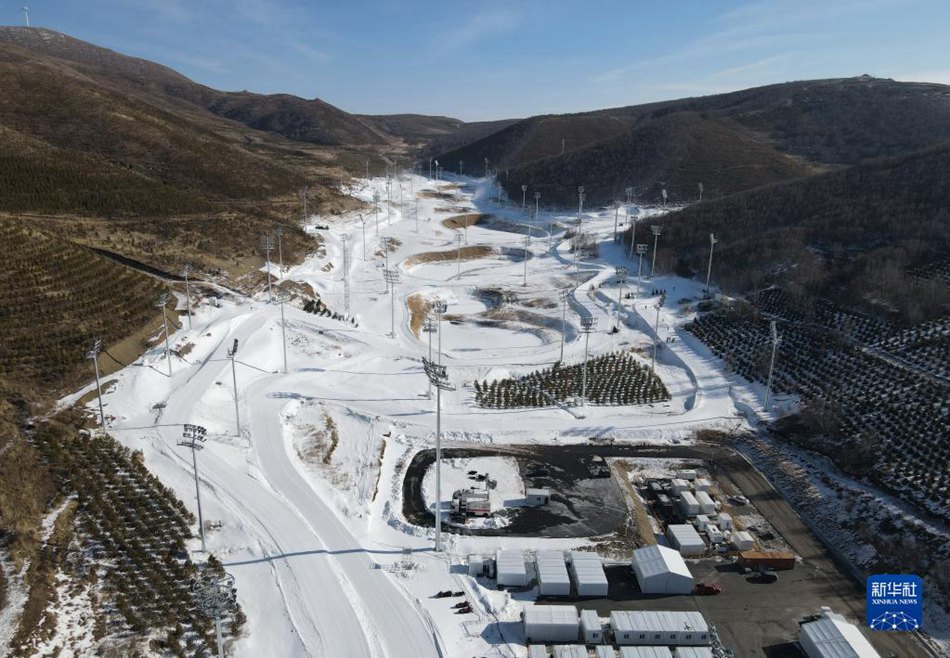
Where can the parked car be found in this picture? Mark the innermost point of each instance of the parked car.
(704, 589)
(763, 577)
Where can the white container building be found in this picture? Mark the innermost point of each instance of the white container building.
(684, 538)
(715, 535)
(570, 651)
(592, 631)
(603, 651)
(688, 504)
(832, 636)
(552, 574)
(664, 628)
(645, 652)
(679, 486)
(537, 651)
(551, 623)
(692, 652)
(661, 570)
(742, 540)
(701, 522)
(702, 484)
(706, 504)
(476, 564)
(511, 569)
(536, 497)
(588, 572)
(686, 474)
(724, 521)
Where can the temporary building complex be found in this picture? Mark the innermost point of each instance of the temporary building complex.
(588, 572)
(651, 627)
(832, 636)
(551, 623)
(552, 574)
(685, 539)
(661, 570)
(511, 569)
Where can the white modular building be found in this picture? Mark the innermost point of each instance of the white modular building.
(688, 504)
(685, 539)
(686, 474)
(570, 651)
(661, 570)
(832, 636)
(511, 569)
(476, 564)
(715, 535)
(702, 484)
(537, 651)
(588, 572)
(552, 574)
(742, 540)
(724, 521)
(692, 652)
(592, 631)
(706, 504)
(654, 627)
(701, 522)
(645, 652)
(603, 651)
(535, 497)
(679, 486)
(551, 623)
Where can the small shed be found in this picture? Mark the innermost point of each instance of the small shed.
(661, 570)
(706, 504)
(678, 486)
(551, 623)
(570, 651)
(701, 522)
(685, 539)
(603, 651)
(592, 631)
(588, 572)
(552, 574)
(724, 521)
(688, 504)
(645, 652)
(511, 569)
(476, 564)
(702, 484)
(686, 474)
(742, 540)
(715, 535)
(692, 652)
(537, 497)
(537, 651)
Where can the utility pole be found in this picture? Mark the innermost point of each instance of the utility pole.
(283, 328)
(712, 243)
(162, 303)
(215, 596)
(267, 243)
(629, 192)
(376, 210)
(580, 203)
(616, 220)
(458, 241)
(537, 200)
(438, 378)
(184, 272)
(524, 196)
(622, 272)
(641, 249)
(280, 249)
(93, 355)
(700, 190)
(633, 232)
(527, 243)
(656, 339)
(193, 437)
(776, 339)
(587, 326)
(392, 278)
(346, 275)
(363, 225)
(429, 326)
(656, 238)
(386, 243)
(237, 410)
(563, 294)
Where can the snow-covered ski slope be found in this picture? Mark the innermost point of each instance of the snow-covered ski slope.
(325, 563)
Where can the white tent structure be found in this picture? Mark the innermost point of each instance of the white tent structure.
(645, 652)
(551, 623)
(661, 570)
(552, 574)
(692, 652)
(570, 651)
(832, 636)
(511, 569)
(684, 538)
(603, 651)
(588, 572)
(537, 651)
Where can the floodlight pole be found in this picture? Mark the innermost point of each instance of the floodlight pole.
(712, 243)
(700, 190)
(656, 339)
(267, 243)
(537, 200)
(162, 303)
(363, 225)
(656, 238)
(237, 409)
(193, 437)
(215, 596)
(280, 249)
(633, 234)
(438, 378)
(629, 192)
(616, 220)
(283, 331)
(376, 209)
(564, 295)
(184, 271)
(524, 196)
(429, 326)
(580, 202)
(587, 326)
(622, 275)
(440, 307)
(527, 243)
(303, 197)
(93, 355)
(641, 249)
(775, 341)
(392, 278)
(458, 240)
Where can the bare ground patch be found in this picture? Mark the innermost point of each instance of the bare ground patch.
(473, 252)
(468, 219)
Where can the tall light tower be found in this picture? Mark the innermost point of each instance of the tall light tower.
(460, 168)
(439, 306)
(580, 202)
(392, 278)
(663, 192)
(162, 303)
(26, 15)
(215, 596)
(633, 232)
(629, 193)
(776, 339)
(458, 246)
(346, 274)
(587, 326)
(656, 338)
(438, 378)
(700, 190)
(232, 353)
(376, 209)
(93, 355)
(184, 272)
(537, 200)
(193, 437)
(527, 243)
(280, 249)
(524, 197)
(641, 249)
(430, 327)
(267, 244)
(622, 272)
(563, 294)
(712, 243)
(283, 327)
(386, 243)
(363, 226)
(303, 198)
(656, 230)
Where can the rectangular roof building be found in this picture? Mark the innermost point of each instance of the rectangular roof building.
(659, 627)
(832, 636)
(661, 570)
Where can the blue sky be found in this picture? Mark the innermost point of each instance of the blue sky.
(488, 60)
